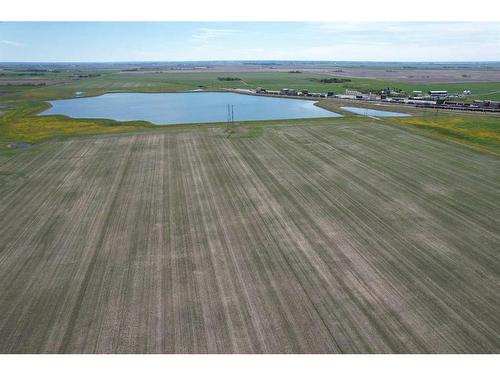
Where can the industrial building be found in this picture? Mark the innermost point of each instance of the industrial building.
(438, 94)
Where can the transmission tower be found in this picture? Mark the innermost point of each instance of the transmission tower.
(230, 118)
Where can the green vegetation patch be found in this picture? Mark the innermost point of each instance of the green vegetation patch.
(479, 131)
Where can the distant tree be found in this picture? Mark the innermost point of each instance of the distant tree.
(331, 80)
(229, 79)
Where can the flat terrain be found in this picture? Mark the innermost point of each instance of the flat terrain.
(396, 74)
(25, 88)
(175, 81)
(343, 238)
(414, 75)
(484, 84)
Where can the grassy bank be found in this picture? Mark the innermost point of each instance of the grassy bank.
(23, 125)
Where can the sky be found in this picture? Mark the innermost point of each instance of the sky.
(205, 41)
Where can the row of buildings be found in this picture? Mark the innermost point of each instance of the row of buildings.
(292, 92)
(476, 105)
(431, 99)
(354, 94)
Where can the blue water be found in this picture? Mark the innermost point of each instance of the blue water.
(374, 112)
(183, 108)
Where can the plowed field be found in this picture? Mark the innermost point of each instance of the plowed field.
(300, 239)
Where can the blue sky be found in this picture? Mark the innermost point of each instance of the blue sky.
(183, 41)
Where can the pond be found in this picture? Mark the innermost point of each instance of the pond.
(183, 108)
(374, 112)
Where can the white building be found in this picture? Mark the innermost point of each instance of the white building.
(438, 94)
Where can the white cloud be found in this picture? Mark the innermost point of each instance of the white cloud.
(206, 34)
(11, 43)
(428, 33)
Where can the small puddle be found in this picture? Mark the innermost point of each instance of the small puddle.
(19, 145)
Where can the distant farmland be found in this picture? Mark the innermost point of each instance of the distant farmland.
(152, 82)
(102, 81)
(345, 238)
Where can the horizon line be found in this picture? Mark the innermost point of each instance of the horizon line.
(249, 60)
